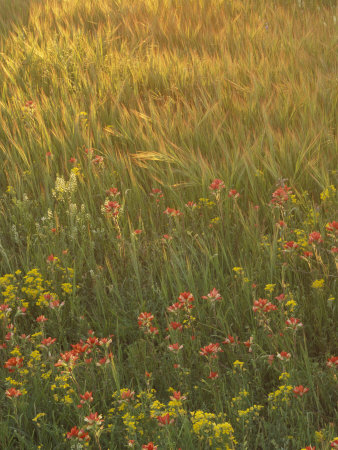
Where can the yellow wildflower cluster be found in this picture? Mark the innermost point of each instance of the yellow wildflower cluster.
(238, 270)
(61, 383)
(130, 422)
(38, 417)
(67, 288)
(270, 288)
(284, 376)
(205, 426)
(302, 238)
(280, 397)
(241, 396)
(13, 382)
(35, 356)
(156, 408)
(17, 291)
(311, 217)
(16, 352)
(205, 202)
(238, 365)
(10, 190)
(291, 305)
(294, 199)
(328, 193)
(252, 412)
(239, 273)
(318, 284)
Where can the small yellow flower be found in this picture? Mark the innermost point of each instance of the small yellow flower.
(39, 333)
(67, 400)
(319, 436)
(67, 288)
(318, 284)
(16, 352)
(284, 376)
(328, 193)
(38, 416)
(46, 375)
(270, 287)
(238, 364)
(291, 304)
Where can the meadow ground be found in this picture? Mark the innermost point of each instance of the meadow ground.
(168, 228)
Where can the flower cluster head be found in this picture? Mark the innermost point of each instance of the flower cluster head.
(48, 341)
(51, 258)
(145, 319)
(315, 236)
(281, 195)
(164, 420)
(216, 186)
(281, 224)
(78, 434)
(157, 194)
(112, 208)
(172, 212)
(185, 301)
(332, 362)
(68, 359)
(280, 297)
(175, 348)
(30, 104)
(231, 340)
(299, 391)
(94, 419)
(213, 296)
(177, 396)
(166, 238)
(113, 192)
(213, 375)
(332, 226)
(97, 160)
(284, 356)
(334, 443)
(176, 326)
(145, 323)
(293, 323)
(86, 397)
(54, 303)
(41, 319)
(290, 245)
(13, 393)
(127, 394)
(211, 350)
(149, 446)
(233, 193)
(248, 344)
(191, 205)
(262, 305)
(13, 363)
